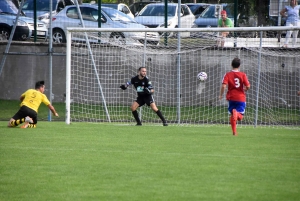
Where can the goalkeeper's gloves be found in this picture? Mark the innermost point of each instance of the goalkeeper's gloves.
(147, 91)
(123, 86)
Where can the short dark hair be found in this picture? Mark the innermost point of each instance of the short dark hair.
(141, 68)
(236, 62)
(39, 84)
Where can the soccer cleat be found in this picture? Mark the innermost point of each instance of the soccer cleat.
(235, 134)
(28, 119)
(165, 124)
(138, 124)
(25, 125)
(234, 114)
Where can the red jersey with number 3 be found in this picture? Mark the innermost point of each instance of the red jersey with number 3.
(236, 82)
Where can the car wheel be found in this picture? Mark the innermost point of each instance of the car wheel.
(117, 38)
(4, 33)
(58, 36)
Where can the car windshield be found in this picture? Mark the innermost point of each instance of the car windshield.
(41, 5)
(158, 10)
(210, 11)
(193, 7)
(114, 6)
(8, 7)
(117, 15)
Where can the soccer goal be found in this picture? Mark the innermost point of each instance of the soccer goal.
(100, 60)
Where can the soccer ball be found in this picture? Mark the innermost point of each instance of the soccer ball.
(202, 76)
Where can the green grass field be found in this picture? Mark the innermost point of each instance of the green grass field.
(87, 161)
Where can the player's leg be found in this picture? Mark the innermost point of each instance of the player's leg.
(223, 38)
(30, 119)
(150, 102)
(135, 114)
(30, 122)
(17, 119)
(287, 36)
(158, 112)
(295, 34)
(233, 116)
(240, 108)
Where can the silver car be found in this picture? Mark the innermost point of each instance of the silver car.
(153, 16)
(43, 8)
(120, 7)
(111, 18)
(25, 25)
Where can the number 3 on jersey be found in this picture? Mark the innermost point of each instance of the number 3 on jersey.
(237, 82)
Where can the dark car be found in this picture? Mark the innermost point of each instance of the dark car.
(197, 8)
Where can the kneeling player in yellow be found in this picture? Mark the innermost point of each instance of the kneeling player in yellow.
(31, 100)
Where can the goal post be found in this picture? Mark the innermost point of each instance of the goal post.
(99, 64)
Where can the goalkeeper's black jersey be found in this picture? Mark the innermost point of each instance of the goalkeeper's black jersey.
(139, 85)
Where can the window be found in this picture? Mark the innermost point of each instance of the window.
(185, 10)
(72, 13)
(89, 14)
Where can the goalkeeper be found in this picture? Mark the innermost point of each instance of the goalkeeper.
(31, 100)
(144, 91)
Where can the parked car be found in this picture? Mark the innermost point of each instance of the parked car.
(120, 7)
(197, 8)
(111, 18)
(210, 16)
(25, 25)
(153, 16)
(138, 6)
(43, 8)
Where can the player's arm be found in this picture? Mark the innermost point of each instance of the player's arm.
(124, 86)
(149, 88)
(246, 88)
(22, 97)
(222, 90)
(220, 23)
(246, 84)
(282, 12)
(52, 110)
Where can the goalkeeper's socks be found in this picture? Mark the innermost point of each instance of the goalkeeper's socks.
(136, 116)
(161, 116)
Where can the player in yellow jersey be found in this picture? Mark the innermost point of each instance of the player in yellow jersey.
(31, 100)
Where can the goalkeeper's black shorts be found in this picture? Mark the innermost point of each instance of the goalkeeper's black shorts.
(142, 99)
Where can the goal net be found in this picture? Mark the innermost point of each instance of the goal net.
(100, 60)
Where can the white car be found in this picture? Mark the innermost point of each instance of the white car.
(111, 18)
(153, 16)
(120, 7)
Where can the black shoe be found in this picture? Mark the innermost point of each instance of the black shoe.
(138, 124)
(165, 124)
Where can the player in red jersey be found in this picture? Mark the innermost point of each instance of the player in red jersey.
(237, 83)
